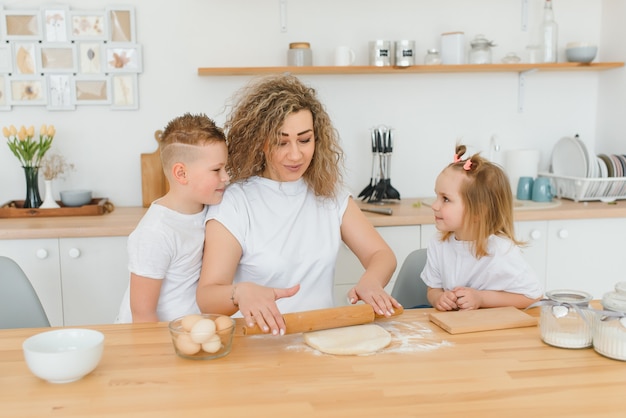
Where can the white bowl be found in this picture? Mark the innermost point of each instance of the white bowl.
(63, 355)
(580, 52)
(75, 197)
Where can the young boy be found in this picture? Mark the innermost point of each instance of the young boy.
(165, 250)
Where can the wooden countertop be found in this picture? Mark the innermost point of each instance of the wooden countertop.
(410, 211)
(424, 372)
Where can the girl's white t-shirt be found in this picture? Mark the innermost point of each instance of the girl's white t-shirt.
(452, 263)
(168, 246)
(288, 236)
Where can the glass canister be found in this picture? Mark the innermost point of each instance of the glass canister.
(299, 54)
(609, 334)
(566, 320)
(481, 50)
(432, 57)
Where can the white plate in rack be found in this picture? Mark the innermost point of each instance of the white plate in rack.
(569, 158)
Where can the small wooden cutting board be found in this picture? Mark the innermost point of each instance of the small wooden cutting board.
(458, 322)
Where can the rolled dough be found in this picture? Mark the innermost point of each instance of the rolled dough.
(357, 339)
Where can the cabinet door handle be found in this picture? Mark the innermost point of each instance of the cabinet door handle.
(535, 234)
(563, 233)
(74, 252)
(42, 253)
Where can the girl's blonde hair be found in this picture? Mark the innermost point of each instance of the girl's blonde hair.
(488, 200)
(255, 123)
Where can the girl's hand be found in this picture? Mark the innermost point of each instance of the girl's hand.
(257, 304)
(372, 293)
(447, 301)
(467, 298)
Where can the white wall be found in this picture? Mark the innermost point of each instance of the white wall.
(429, 111)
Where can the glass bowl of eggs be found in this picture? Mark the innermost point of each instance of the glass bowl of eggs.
(202, 336)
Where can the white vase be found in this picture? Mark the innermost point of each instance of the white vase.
(48, 200)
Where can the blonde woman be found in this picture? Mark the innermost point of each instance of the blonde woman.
(275, 237)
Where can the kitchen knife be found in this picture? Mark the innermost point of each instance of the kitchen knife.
(382, 211)
(319, 319)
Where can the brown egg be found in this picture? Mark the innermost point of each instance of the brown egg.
(189, 320)
(223, 322)
(186, 346)
(213, 345)
(202, 330)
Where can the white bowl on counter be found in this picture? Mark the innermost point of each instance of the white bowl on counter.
(74, 198)
(581, 52)
(63, 355)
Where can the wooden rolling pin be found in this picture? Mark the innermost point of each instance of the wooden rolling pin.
(319, 319)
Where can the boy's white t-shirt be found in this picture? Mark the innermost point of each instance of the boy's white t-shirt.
(168, 246)
(287, 235)
(452, 263)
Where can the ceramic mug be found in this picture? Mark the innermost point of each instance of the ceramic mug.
(344, 56)
(542, 190)
(525, 188)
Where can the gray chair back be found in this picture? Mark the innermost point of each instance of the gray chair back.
(20, 306)
(410, 289)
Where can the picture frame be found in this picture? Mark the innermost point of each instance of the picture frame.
(21, 25)
(6, 59)
(90, 58)
(5, 100)
(124, 91)
(25, 58)
(55, 22)
(88, 90)
(90, 25)
(60, 92)
(57, 57)
(126, 58)
(121, 24)
(27, 91)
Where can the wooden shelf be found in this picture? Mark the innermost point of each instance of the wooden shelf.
(466, 68)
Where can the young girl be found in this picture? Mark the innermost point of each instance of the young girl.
(475, 261)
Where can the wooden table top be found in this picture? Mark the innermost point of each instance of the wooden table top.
(424, 372)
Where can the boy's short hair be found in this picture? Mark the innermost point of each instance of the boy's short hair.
(185, 132)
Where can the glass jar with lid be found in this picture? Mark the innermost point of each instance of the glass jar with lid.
(609, 334)
(432, 57)
(566, 320)
(299, 54)
(481, 50)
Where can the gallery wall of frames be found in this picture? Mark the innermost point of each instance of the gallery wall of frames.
(61, 58)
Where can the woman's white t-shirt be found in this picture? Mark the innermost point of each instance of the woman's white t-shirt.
(452, 263)
(288, 236)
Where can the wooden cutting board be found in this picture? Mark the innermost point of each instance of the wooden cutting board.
(458, 322)
(153, 182)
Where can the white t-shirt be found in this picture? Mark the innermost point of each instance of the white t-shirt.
(287, 235)
(168, 246)
(452, 263)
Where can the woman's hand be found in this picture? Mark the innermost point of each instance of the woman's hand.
(372, 293)
(257, 304)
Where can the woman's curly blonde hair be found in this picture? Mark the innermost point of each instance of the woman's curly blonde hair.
(255, 123)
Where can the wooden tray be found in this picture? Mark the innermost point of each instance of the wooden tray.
(15, 209)
(458, 322)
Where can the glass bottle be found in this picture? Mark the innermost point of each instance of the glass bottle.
(481, 50)
(432, 57)
(549, 34)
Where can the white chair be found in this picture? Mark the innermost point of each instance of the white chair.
(20, 306)
(410, 289)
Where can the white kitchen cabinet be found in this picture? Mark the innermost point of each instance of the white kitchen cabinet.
(94, 277)
(79, 281)
(39, 258)
(585, 254)
(348, 270)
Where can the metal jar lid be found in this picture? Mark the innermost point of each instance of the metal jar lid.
(616, 301)
(299, 45)
(572, 297)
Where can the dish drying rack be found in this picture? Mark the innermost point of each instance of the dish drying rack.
(582, 189)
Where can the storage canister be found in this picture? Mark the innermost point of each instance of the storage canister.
(566, 320)
(405, 51)
(299, 54)
(481, 50)
(609, 335)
